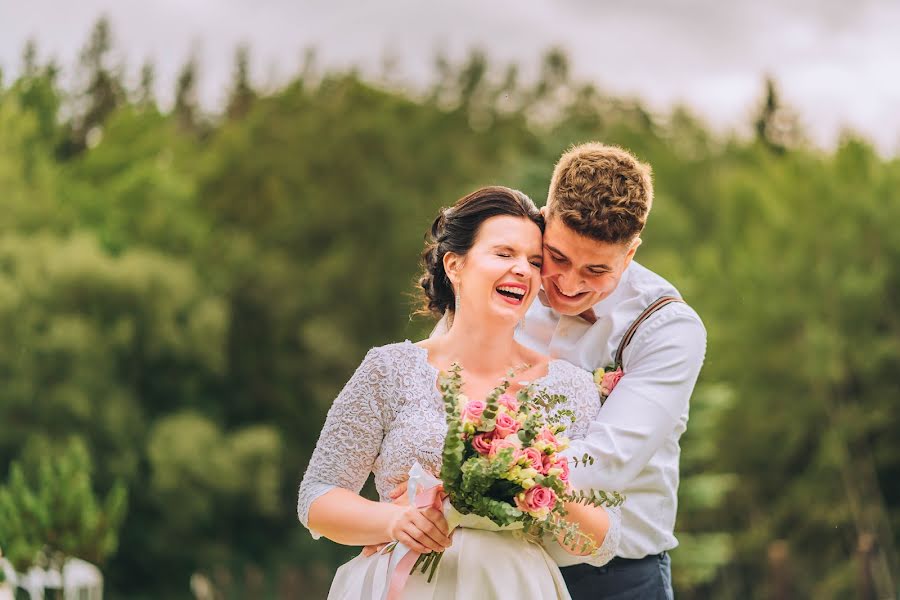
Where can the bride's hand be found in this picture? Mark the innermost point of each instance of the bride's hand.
(421, 530)
(398, 494)
(398, 497)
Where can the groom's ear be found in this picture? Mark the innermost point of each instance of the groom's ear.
(544, 212)
(631, 250)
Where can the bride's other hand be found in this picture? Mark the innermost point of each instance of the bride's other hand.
(421, 530)
(398, 494)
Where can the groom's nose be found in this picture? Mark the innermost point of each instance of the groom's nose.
(568, 282)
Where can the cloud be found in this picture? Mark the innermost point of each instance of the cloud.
(831, 59)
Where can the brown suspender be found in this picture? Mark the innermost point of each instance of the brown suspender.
(629, 335)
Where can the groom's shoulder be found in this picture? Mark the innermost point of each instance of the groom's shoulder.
(648, 286)
(645, 281)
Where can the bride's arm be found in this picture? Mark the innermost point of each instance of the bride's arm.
(592, 521)
(604, 525)
(347, 518)
(329, 502)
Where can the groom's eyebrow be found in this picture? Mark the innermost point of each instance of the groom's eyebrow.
(556, 251)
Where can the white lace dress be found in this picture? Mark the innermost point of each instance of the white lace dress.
(390, 415)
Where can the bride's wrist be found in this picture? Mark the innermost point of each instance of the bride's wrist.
(394, 513)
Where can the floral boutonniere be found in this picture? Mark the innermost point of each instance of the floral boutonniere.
(607, 379)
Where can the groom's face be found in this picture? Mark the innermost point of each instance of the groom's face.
(578, 271)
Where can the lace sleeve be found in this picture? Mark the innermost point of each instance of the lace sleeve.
(351, 437)
(599, 557)
(607, 550)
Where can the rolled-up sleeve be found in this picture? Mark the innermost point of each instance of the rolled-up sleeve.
(661, 366)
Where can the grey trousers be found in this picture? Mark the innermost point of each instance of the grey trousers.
(648, 578)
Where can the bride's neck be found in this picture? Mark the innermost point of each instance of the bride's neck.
(481, 348)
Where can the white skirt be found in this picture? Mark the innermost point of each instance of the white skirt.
(479, 564)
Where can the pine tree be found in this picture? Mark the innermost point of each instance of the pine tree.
(186, 103)
(52, 513)
(103, 91)
(241, 96)
(145, 96)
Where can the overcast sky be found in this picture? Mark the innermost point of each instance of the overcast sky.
(837, 62)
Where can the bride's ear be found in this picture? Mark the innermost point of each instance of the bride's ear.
(452, 265)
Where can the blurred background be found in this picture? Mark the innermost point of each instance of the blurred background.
(211, 210)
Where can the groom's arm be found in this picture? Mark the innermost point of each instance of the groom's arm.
(661, 367)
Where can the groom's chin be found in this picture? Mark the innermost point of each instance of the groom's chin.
(565, 306)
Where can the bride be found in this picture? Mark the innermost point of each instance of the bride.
(482, 269)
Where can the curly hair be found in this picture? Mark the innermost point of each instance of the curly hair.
(602, 192)
(455, 229)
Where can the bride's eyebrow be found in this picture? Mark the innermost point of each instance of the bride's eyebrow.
(508, 248)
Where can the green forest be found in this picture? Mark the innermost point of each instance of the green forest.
(184, 292)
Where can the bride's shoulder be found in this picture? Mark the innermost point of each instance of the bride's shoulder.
(395, 353)
(567, 371)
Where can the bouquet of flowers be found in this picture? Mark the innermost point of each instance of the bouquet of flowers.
(502, 467)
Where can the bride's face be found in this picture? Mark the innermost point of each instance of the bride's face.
(501, 274)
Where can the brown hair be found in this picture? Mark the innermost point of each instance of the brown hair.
(602, 192)
(455, 230)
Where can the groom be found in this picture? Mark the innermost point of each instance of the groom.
(599, 308)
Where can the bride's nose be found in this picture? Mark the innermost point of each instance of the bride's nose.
(520, 268)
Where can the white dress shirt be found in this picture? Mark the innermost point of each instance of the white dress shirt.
(634, 438)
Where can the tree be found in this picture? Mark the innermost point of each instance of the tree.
(241, 96)
(102, 90)
(146, 97)
(186, 103)
(777, 127)
(51, 513)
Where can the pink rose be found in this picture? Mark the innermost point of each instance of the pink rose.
(545, 435)
(535, 459)
(547, 461)
(510, 402)
(473, 411)
(609, 381)
(482, 443)
(537, 501)
(500, 444)
(557, 462)
(505, 425)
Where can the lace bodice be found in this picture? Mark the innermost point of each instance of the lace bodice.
(390, 414)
